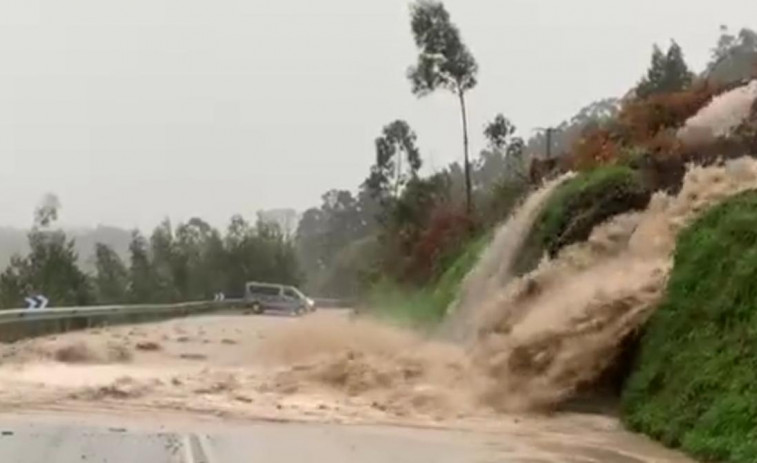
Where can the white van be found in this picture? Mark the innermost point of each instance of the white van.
(281, 298)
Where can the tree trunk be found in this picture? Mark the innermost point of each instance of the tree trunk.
(397, 173)
(468, 202)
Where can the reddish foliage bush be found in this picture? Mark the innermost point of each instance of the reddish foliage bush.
(639, 121)
(646, 124)
(447, 230)
(595, 148)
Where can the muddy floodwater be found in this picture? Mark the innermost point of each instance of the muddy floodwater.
(322, 368)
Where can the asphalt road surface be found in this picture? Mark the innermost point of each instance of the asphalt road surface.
(72, 439)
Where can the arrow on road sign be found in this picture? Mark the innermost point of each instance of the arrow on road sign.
(36, 302)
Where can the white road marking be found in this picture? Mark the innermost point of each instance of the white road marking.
(187, 445)
(207, 449)
(197, 449)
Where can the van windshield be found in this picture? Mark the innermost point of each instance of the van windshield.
(293, 293)
(266, 290)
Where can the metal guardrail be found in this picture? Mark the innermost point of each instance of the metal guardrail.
(24, 323)
(59, 313)
(183, 308)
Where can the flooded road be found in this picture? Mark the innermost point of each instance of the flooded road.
(241, 381)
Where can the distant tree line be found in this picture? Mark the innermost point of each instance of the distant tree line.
(191, 261)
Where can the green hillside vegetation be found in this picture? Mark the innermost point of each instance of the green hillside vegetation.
(577, 206)
(695, 382)
(427, 306)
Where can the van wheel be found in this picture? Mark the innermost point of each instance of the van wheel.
(257, 309)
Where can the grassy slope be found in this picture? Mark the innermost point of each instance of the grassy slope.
(695, 382)
(585, 189)
(427, 306)
(577, 206)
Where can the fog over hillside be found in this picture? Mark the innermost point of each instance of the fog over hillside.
(14, 241)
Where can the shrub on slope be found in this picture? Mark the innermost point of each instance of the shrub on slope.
(695, 382)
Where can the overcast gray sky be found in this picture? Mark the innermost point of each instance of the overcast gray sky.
(135, 110)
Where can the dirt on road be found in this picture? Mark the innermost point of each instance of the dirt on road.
(320, 368)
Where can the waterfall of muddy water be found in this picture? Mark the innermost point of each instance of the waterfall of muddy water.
(561, 325)
(493, 271)
(721, 116)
